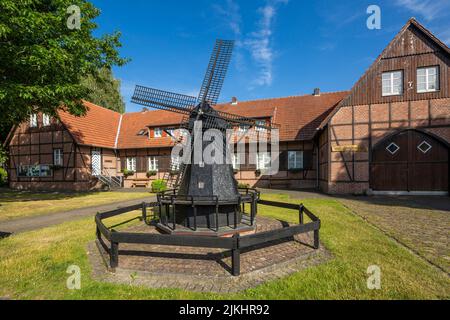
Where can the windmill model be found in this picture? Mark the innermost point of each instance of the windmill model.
(206, 197)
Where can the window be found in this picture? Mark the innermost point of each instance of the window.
(153, 164)
(45, 120)
(131, 164)
(427, 79)
(243, 128)
(33, 121)
(392, 83)
(58, 157)
(295, 160)
(176, 162)
(260, 124)
(263, 161)
(236, 161)
(158, 133)
(32, 171)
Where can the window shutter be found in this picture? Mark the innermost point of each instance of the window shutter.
(141, 164)
(164, 163)
(248, 166)
(283, 160)
(123, 163)
(308, 159)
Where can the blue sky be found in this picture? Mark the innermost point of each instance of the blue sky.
(284, 47)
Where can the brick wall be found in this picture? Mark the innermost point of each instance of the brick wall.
(365, 126)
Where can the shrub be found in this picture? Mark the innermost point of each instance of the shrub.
(159, 186)
(3, 177)
(243, 186)
(127, 172)
(151, 173)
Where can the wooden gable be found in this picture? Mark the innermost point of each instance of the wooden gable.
(412, 48)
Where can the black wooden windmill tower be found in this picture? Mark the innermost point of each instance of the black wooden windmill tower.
(206, 199)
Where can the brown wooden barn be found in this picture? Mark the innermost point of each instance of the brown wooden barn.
(390, 133)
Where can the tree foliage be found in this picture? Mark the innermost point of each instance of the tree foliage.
(43, 61)
(104, 90)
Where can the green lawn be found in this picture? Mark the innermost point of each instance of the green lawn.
(17, 204)
(33, 265)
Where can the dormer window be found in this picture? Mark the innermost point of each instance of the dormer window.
(33, 121)
(392, 83)
(158, 132)
(243, 128)
(260, 124)
(427, 79)
(143, 132)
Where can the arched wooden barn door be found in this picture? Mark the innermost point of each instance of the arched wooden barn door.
(410, 161)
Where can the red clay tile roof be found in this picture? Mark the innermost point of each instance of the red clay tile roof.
(97, 128)
(132, 123)
(298, 118)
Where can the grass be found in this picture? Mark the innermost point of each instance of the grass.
(17, 204)
(33, 265)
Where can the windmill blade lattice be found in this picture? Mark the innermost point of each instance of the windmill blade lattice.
(216, 72)
(164, 100)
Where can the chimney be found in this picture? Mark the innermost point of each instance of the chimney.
(316, 92)
(234, 101)
(144, 110)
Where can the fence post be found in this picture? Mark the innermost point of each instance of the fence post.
(144, 212)
(301, 214)
(114, 255)
(97, 232)
(316, 239)
(236, 257)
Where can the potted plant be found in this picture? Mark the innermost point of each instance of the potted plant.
(151, 173)
(257, 172)
(127, 173)
(295, 170)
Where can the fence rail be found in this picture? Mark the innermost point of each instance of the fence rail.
(235, 244)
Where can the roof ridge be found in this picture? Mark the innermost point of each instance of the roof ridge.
(292, 96)
(96, 105)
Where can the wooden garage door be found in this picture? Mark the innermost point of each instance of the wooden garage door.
(410, 161)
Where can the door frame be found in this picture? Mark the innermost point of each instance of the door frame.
(100, 151)
(393, 134)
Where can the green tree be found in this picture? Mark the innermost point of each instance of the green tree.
(104, 90)
(44, 57)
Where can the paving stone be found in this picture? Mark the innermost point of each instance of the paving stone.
(205, 269)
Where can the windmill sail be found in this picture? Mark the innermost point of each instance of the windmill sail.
(216, 72)
(164, 100)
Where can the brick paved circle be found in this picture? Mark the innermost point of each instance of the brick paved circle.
(205, 269)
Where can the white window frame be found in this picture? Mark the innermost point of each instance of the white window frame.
(391, 80)
(236, 161)
(33, 120)
(243, 128)
(427, 79)
(298, 160)
(131, 164)
(35, 171)
(58, 157)
(158, 132)
(46, 120)
(261, 123)
(263, 161)
(153, 164)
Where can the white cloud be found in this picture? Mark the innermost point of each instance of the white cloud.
(428, 9)
(230, 13)
(260, 42)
